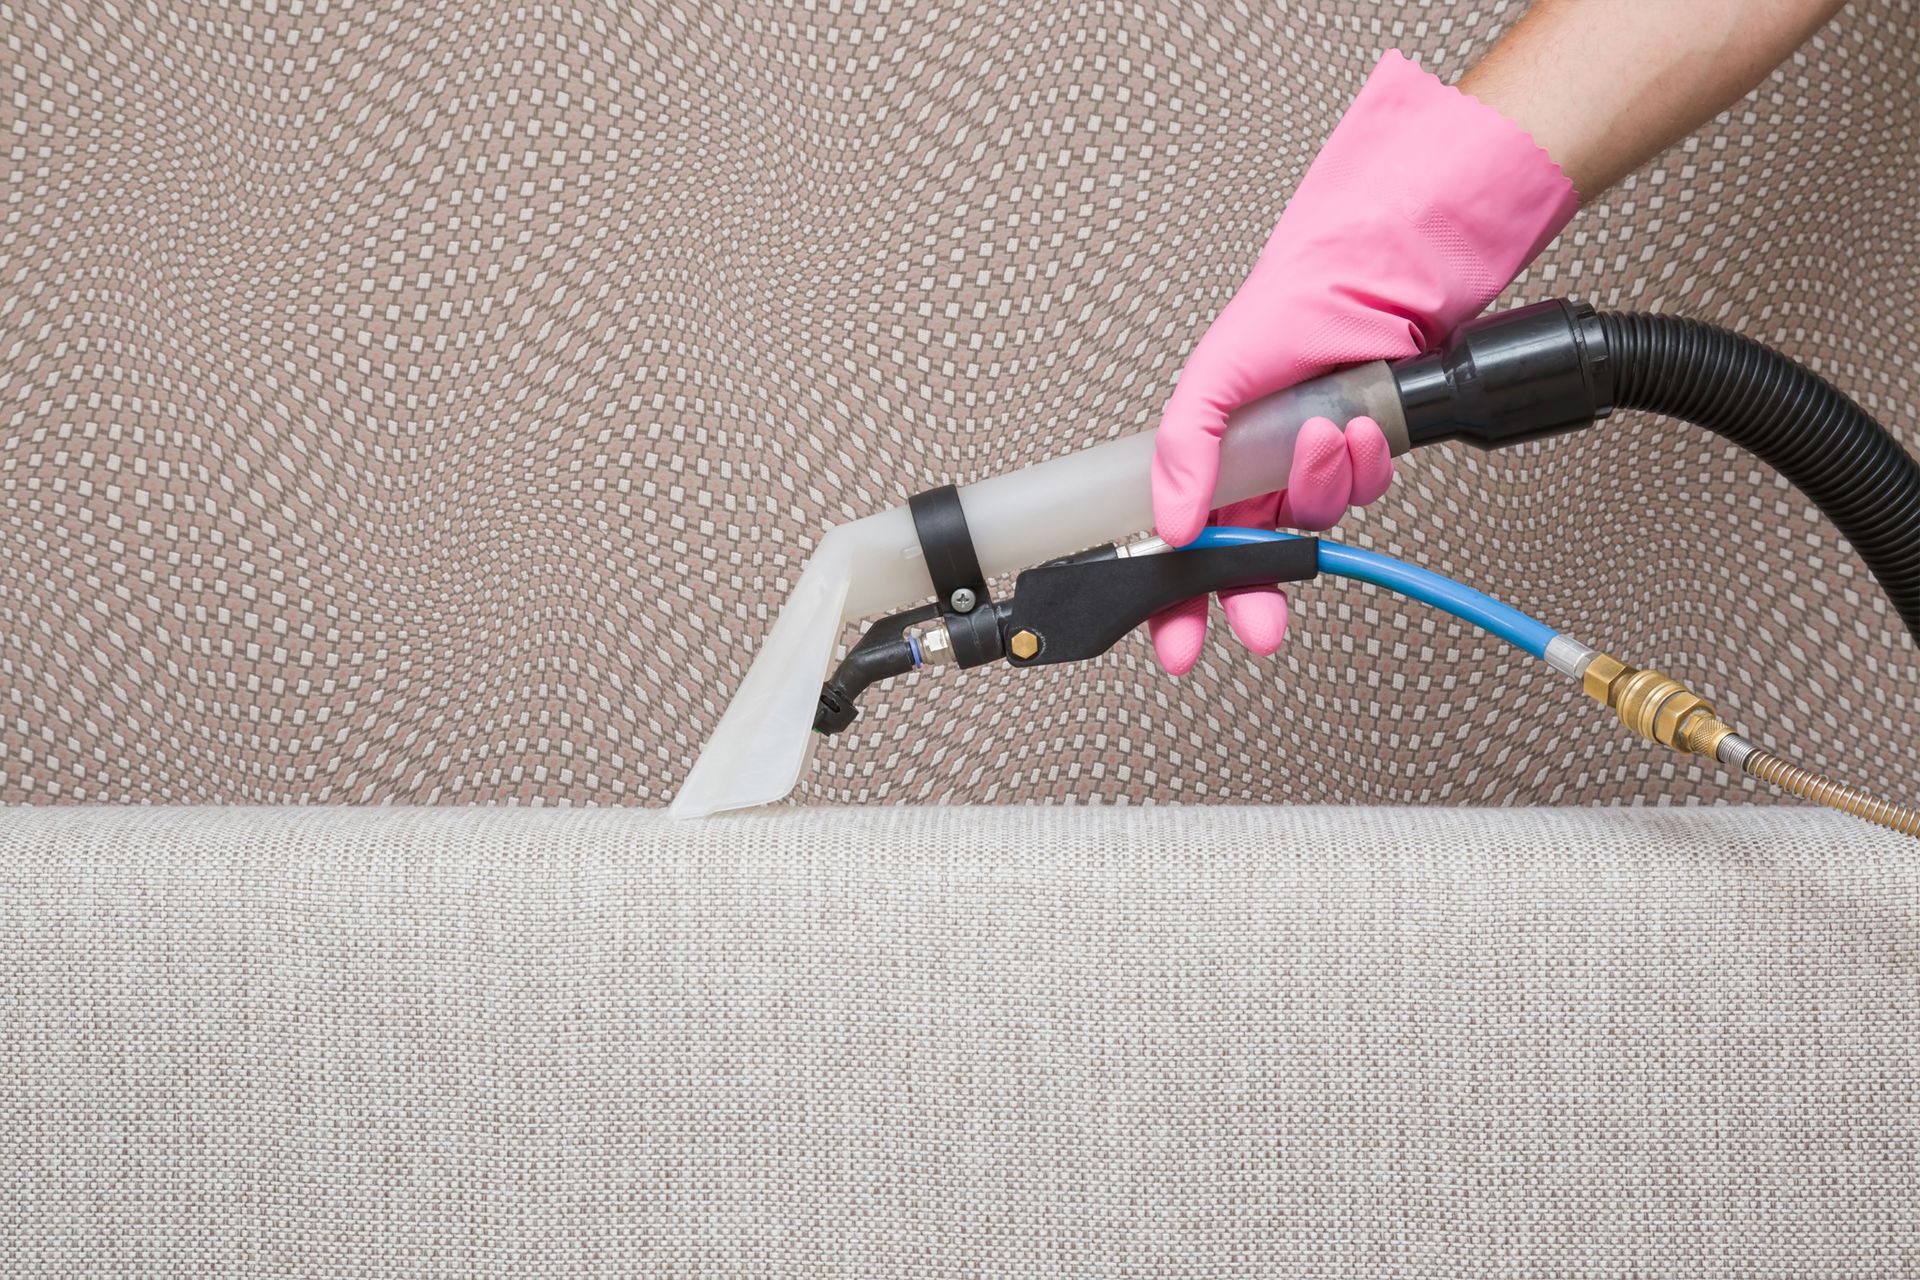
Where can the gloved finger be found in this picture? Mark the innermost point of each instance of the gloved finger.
(1372, 461)
(1258, 615)
(1321, 479)
(1178, 634)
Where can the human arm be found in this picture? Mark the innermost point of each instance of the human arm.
(1606, 85)
(1423, 205)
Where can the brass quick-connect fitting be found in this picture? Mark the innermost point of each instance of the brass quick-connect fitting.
(1661, 709)
(1656, 706)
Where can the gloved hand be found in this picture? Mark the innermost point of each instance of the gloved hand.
(1421, 207)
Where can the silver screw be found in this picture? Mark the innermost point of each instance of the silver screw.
(963, 600)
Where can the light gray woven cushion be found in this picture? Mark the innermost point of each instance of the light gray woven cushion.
(946, 1042)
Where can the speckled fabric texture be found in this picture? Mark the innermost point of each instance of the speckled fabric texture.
(431, 402)
(1205, 1043)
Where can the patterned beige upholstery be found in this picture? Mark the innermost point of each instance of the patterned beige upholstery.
(429, 402)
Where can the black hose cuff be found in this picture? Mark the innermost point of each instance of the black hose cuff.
(1517, 375)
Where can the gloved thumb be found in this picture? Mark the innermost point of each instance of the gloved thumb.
(1186, 457)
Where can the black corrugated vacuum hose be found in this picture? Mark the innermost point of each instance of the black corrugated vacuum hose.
(1559, 365)
(1792, 419)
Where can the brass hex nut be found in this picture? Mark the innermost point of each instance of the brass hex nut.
(1598, 680)
(1024, 644)
(1673, 713)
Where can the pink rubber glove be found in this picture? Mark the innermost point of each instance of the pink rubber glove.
(1423, 205)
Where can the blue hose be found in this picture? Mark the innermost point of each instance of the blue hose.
(1463, 602)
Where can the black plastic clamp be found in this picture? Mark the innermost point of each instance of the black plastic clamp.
(958, 584)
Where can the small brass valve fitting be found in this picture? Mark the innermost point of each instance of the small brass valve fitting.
(1656, 706)
(1661, 709)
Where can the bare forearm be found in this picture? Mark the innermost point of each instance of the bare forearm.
(1605, 85)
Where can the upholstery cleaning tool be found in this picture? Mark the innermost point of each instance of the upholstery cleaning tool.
(1520, 375)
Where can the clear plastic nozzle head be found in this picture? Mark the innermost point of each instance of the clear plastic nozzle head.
(762, 742)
